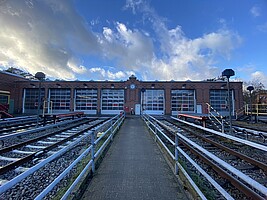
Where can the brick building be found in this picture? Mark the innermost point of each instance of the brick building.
(261, 97)
(111, 97)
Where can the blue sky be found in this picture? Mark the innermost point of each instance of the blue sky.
(153, 39)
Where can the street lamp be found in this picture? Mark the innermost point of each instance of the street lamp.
(40, 76)
(142, 100)
(250, 88)
(228, 73)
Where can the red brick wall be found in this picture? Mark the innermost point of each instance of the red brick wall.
(132, 96)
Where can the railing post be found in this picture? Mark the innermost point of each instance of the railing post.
(155, 132)
(93, 150)
(113, 128)
(222, 126)
(176, 155)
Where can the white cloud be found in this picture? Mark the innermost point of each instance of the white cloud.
(75, 67)
(102, 74)
(255, 11)
(129, 47)
(132, 4)
(50, 36)
(43, 36)
(260, 76)
(184, 58)
(107, 32)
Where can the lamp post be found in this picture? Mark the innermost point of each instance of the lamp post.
(228, 73)
(142, 98)
(40, 76)
(250, 88)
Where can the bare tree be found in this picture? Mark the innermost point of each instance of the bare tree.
(258, 87)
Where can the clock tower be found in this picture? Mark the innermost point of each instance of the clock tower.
(132, 95)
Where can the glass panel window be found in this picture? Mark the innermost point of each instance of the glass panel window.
(183, 100)
(85, 99)
(219, 100)
(112, 99)
(31, 98)
(153, 100)
(60, 99)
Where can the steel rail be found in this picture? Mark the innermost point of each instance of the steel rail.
(3, 137)
(259, 164)
(27, 173)
(210, 179)
(236, 139)
(25, 159)
(242, 176)
(206, 175)
(6, 129)
(90, 163)
(238, 184)
(10, 148)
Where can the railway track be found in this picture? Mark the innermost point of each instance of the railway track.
(254, 135)
(12, 138)
(12, 126)
(240, 169)
(37, 163)
(255, 132)
(17, 155)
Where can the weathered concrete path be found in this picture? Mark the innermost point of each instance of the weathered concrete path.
(134, 168)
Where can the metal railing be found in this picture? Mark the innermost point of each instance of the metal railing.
(152, 124)
(240, 112)
(93, 151)
(256, 109)
(218, 118)
(159, 135)
(47, 107)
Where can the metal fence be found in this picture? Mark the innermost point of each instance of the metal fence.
(94, 151)
(256, 109)
(159, 137)
(163, 139)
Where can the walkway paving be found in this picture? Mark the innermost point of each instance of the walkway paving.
(134, 168)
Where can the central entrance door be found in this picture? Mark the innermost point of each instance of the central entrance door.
(137, 109)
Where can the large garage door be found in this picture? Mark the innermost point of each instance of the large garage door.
(30, 100)
(219, 101)
(86, 100)
(183, 101)
(60, 100)
(112, 101)
(153, 102)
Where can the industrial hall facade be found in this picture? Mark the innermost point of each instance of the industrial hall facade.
(112, 97)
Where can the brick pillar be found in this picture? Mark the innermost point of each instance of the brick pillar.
(71, 99)
(98, 100)
(167, 101)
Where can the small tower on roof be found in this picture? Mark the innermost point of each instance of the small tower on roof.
(132, 77)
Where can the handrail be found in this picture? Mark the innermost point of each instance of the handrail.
(240, 111)
(256, 109)
(156, 131)
(222, 122)
(49, 106)
(236, 139)
(178, 135)
(91, 163)
(25, 174)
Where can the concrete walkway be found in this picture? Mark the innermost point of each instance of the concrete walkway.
(134, 168)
